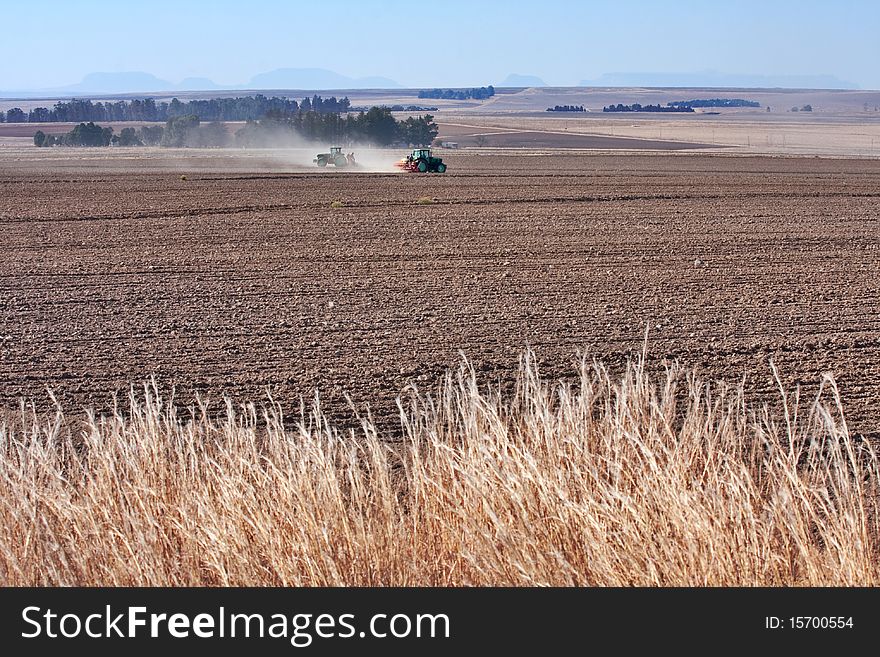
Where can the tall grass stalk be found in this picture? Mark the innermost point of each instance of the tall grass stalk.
(630, 479)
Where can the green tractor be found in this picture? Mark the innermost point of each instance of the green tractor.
(335, 157)
(421, 161)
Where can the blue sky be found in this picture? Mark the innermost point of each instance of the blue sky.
(437, 42)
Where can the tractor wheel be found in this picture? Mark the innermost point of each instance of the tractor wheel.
(423, 166)
(322, 162)
(441, 168)
(340, 161)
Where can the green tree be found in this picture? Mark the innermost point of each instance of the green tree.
(88, 134)
(178, 129)
(39, 138)
(419, 131)
(129, 137)
(378, 126)
(151, 135)
(176, 108)
(16, 115)
(39, 115)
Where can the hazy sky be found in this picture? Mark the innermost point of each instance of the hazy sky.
(437, 43)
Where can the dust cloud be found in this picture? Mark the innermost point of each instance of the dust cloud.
(367, 159)
(285, 149)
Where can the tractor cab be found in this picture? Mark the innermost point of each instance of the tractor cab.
(421, 154)
(335, 150)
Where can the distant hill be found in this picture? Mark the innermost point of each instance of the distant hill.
(119, 83)
(315, 78)
(713, 79)
(141, 82)
(517, 80)
(136, 81)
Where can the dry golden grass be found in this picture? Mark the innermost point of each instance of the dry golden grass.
(622, 480)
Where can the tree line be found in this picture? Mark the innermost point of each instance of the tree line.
(477, 93)
(85, 134)
(566, 108)
(636, 107)
(715, 102)
(376, 126)
(277, 130)
(246, 108)
(179, 131)
(396, 108)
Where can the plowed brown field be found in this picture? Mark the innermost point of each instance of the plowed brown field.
(238, 283)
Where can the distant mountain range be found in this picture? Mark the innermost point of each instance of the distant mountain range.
(311, 79)
(319, 79)
(517, 80)
(715, 79)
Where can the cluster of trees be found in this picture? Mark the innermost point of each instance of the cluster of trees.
(397, 108)
(684, 105)
(14, 115)
(85, 134)
(477, 93)
(324, 105)
(805, 108)
(418, 131)
(566, 108)
(715, 102)
(375, 126)
(179, 131)
(411, 108)
(636, 107)
(246, 108)
(277, 129)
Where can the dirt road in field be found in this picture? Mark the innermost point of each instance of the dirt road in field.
(239, 283)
